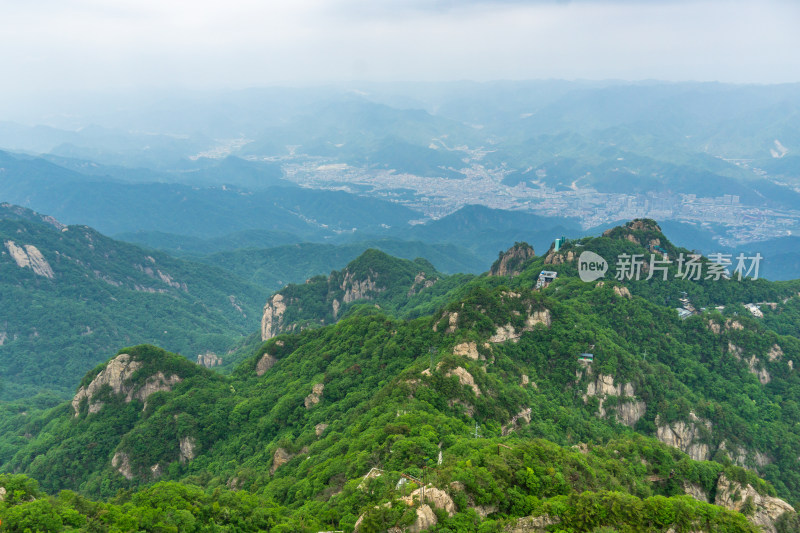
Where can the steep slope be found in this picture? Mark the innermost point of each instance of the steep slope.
(276, 267)
(70, 295)
(205, 212)
(490, 400)
(399, 286)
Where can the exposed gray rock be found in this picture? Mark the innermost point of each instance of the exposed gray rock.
(188, 445)
(272, 319)
(122, 463)
(686, 436)
(467, 349)
(464, 378)
(208, 359)
(29, 256)
(265, 363)
(768, 508)
(315, 396)
(115, 374)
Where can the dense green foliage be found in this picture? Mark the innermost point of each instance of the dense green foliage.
(286, 440)
(104, 294)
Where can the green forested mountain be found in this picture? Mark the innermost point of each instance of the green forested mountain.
(402, 288)
(484, 400)
(70, 294)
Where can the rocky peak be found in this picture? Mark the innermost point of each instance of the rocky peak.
(272, 319)
(642, 231)
(117, 375)
(509, 263)
(359, 289)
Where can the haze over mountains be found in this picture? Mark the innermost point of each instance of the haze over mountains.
(345, 164)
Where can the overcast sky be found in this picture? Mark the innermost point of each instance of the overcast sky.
(104, 44)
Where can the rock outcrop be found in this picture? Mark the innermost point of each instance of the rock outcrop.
(522, 416)
(532, 524)
(468, 350)
(421, 282)
(507, 332)
(775, 353)
(117, 374)
(122, 463)
(29, 256)
(316, 395)
(426, 519)
(732, 495)
(559, 258)
(753, 363)
(628, 409)
(282, 456)
(504, 334)
(464, 378)
(686, 436)
(622, 292)
(695, 491)
(436, 498)
(538, 317)
(510, 262)
(452, 323)
(359, 289)
(188, 447)
(272, 319)
(279, 458)
(265, 363)
(209, 359)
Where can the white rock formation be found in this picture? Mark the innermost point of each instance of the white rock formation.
(209, 359)
(29, 256)
(628, 409)
(355, 289)
(768, 508)
(122, 463)
(686, 436)
(315, 396)
(464, 378)
(272, 319)
(188, 446)
(467, 349)
(117, 374)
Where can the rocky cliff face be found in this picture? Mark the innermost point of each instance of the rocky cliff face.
(734, 496)
(359, 289)
(507, 332)
(628, 409)
(510, 262)
(209, 359)
(272, 319)
(686, 436)
(28, 256)
(117, 374)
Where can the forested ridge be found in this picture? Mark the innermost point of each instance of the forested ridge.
(478, 395)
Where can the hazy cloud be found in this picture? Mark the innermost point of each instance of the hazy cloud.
(86, 44)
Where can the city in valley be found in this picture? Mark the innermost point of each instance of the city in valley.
(732, 221)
